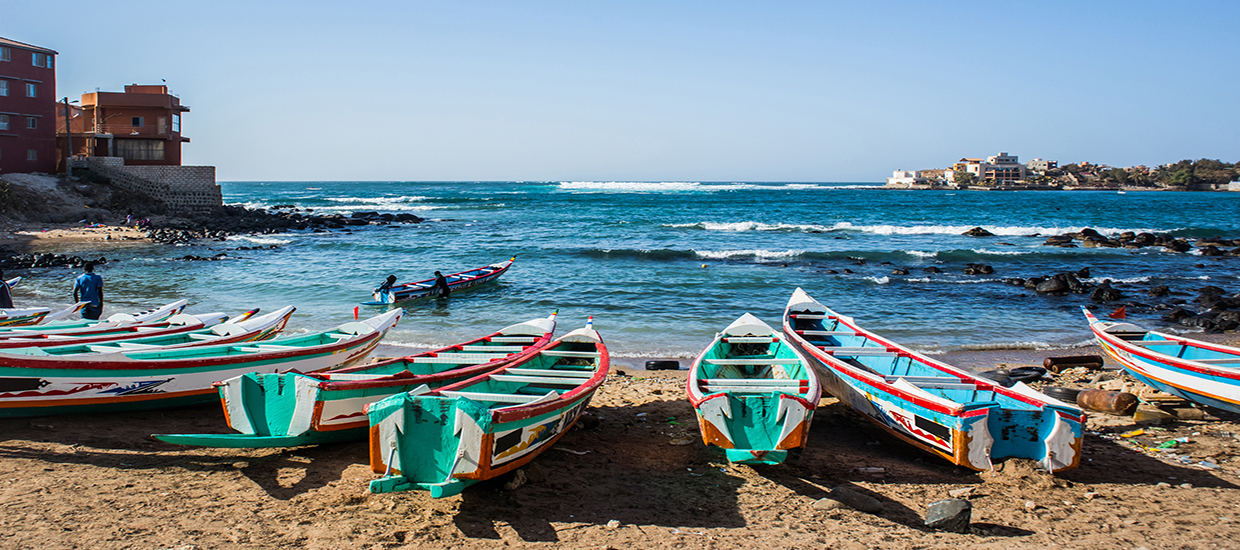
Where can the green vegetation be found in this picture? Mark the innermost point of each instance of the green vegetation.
(965, 178)
(1204, 171)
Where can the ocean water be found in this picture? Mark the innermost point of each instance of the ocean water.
(662, 266)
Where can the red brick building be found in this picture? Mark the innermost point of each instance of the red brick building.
(27, 108)
(141, 125)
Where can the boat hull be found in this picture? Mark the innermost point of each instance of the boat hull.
(456, 282)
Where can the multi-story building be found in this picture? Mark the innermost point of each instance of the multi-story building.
(1040, 166)
(27, 108)
(141, 125)
(1002, 168)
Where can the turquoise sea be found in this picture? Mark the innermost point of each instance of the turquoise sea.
(663, 265)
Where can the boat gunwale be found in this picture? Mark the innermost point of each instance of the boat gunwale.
(1165, 359)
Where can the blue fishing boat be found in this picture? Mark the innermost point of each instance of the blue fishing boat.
(426, 289)
(1201, 372)
(948, 411)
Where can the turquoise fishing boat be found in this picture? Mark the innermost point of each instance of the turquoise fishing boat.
(283, 410)
(155, 378)
(754, 394)
(934, 406)
(183, 331)
(446, 439)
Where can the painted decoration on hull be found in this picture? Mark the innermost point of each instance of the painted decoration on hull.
(514, 444)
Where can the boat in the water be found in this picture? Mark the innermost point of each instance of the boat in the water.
(60, 322)
(1202, 372)
(327, 406)
(445, 439)
(157, 378)
(425, 289)
(937, 407)
(183, 330)
(754, 393)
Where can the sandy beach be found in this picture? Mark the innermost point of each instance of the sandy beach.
(638, 477)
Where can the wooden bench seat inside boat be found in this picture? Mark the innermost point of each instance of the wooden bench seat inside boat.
(496, 397)
(551, 372)
(462, 358)
(749, 340)
(566, 381)
(515, 339)
(858, 351)
(789, 361)
(582, 354)
(492, 348)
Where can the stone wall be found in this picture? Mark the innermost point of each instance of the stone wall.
(183, 189)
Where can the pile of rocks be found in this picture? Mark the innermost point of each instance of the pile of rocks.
(1220, 312)
(235, 220)
(8, 260)
(1090, 238)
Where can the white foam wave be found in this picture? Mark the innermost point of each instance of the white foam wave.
(386, 208)
(1010, 231)
(377, 200)
(953, 281)
(879, 280)
(751, 226)
(757, 253)
(266, 239)
(921, 253)
(1003, 252)
(1129, 280)
(649, 186)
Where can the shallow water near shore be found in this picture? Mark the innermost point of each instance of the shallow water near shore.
(662, 266)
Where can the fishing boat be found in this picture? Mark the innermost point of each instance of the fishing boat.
(425, 289)
(59, 321)
(1202, 372)
(937, 407)
(183, 330)
(13, 282)
(445, 439)
(754, 393)
(327, 406)
(157, 378)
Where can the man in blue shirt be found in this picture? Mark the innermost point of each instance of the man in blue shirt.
(89, 288)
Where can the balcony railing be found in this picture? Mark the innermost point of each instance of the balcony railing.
(126, 129)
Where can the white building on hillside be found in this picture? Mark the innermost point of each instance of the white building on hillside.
(905, 178)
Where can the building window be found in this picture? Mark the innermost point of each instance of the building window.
(31, 90)
(32, 154)
(4, 122)
(4, 54)
(140, 149)
(41, 60)
(32, 122)
(136, 122)
(176, 123)
(4, 88)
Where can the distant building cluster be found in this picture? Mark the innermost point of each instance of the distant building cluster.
(1005, 172)
(1001, 169)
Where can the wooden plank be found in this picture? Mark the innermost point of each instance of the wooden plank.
(918, 380)
(809, 316)
(550, 372)
(712, 388)
(774, 382)
(514, 339)
(1218, 361)
(792, 361)
(537, 379)
(749, 340)
(828, 332)
(1148, 343)
(461, 358)
(497, 397)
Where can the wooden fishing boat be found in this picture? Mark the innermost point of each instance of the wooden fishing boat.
(446, 439)
(1201, 372)
(13, 282)
(58, 323)
(139, 379)
(327, 406)
(456, 281)
(754, 393)
(942, 409)
(182, 331)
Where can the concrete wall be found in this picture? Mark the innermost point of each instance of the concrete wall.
(184, 189)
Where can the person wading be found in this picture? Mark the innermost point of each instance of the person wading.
(89, 288)
(441, 283)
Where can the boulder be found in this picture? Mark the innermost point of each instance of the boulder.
(899, 271)
(1178, 246)
(1052, 285)
(1104, 293)
(978, 232)
(1177, 313)
(951, 514)
(978, 269)
(1083, 273)
(1159, 290)
(932, 269)
(1057, 240)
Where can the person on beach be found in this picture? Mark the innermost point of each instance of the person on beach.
(89, 288)
(6, 294)
(441, 283)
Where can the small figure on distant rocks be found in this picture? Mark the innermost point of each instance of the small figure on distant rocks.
(441, 283)
(6, 294)
(89, 288)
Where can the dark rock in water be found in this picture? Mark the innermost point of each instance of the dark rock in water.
(1052, 285)
(1177, 313)
(365, 215)
(1089, 232)
(1083, 273)
(831, 272)
(978, 269)
(951, 514)
(1015, 281)
(1104, 293)
(1159, 290)
(1209, 251)
(846, 270)
(899, 271)
(978, 232)
(856, 500)
(1144, 239)
(932, 269)
(1056, 240)
(1179, 245)
(1033, 282)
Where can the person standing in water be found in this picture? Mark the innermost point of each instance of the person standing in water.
(441, 283)
(382, 293)
(89, 288)
(6, 293)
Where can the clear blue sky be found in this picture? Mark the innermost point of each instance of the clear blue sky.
(658, 90)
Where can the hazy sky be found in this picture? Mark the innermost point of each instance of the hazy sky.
(660, 90)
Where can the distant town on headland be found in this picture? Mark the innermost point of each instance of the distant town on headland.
(1004, 172)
